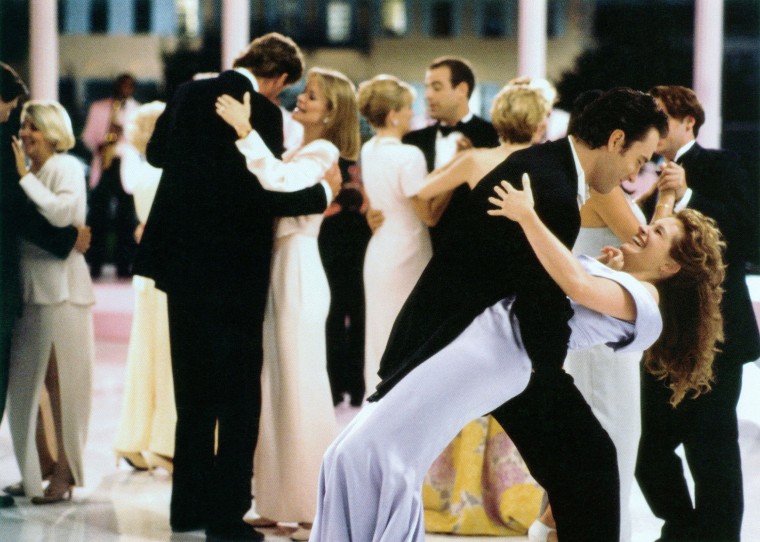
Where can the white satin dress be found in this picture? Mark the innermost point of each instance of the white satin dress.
(297, 414)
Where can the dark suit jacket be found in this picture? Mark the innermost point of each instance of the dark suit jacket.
(486, 259)
(209, 232)
(479, 131)
(721, 190)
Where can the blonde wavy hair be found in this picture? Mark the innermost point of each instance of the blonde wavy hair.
(141, 124)
(690, 305)
(52, 120)
(342, 123)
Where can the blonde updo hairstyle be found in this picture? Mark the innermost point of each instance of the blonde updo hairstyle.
(517, 112)
(52, 120)
(381, 95)
(141, 124)
(342, 121)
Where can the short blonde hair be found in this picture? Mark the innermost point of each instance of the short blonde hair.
(141, 124)
(381, 95)
(342, 121)
(52, 120)
(517, 112)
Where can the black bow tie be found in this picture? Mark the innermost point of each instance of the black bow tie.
(446, 130)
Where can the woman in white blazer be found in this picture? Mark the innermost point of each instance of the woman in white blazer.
(52, 343)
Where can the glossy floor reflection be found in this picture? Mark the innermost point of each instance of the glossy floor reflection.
(120, 504)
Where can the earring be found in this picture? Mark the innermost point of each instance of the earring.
(326, 120)
(394, 122)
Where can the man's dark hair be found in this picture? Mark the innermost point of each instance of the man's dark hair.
(633, 112)
(581, 102)
(271, 55)
(680, 102)
(460, 69)
(11, 84)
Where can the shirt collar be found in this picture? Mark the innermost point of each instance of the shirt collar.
(582, 186)
(683, 150)
(248, 75)
(463, 120)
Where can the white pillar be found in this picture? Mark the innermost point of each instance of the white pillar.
(43, 49)
(708, 67)
(235, 30)
(531, 38)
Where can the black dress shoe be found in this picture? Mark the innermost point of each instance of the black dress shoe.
(187, 526)
(238, 533)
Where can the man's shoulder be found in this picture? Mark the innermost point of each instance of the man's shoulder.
(420, 134)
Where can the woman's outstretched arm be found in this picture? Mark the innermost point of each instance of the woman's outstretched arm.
(599, 294)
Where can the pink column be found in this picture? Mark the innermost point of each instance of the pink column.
(531, 38)
(235, 30)
(708, 67)
(43, 49)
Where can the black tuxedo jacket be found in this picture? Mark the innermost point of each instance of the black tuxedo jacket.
(479, 131)
(721, 190)
(209, 232)
(486, 259)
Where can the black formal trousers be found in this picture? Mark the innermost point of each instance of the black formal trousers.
(111, 209)
(217, 354)
(708, 429)
(568, 453)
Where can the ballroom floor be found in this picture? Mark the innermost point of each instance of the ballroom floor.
(119, 504)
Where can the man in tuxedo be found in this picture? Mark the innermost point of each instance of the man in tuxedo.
(207, 244)
(714, 183)
(485, 260)
(449, 83)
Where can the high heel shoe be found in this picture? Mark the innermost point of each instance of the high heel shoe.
(15, 490)
(155, 460)
(540, 532)
(133, 459)
(54, 493)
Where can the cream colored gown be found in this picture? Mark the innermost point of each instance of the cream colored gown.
(297, 415)
(148, 414)
(57, 316)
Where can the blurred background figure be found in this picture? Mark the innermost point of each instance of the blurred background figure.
(111, 208)
(145, 434)
(343, 240)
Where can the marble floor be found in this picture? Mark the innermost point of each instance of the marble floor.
(119, 504)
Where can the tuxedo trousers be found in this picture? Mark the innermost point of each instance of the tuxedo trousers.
(707, 426)
(569, 453)
(216, 350)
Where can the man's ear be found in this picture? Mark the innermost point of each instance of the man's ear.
(616, 141)
(282, 80)
(689, 122)
(463, 89)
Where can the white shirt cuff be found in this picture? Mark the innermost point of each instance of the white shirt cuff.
(328, 191)
(684, 201)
